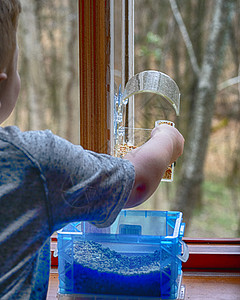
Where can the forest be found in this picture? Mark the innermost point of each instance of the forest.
(195, 42)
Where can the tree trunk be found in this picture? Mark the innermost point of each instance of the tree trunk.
(32, 66)
(189, 187)
(72, 69)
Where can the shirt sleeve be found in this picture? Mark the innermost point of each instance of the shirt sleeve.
(82, 185)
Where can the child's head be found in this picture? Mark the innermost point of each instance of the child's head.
(9, 78)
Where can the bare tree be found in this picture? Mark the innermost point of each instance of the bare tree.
(48, 66)
(31, 54)
(189, 187)
(72, 70)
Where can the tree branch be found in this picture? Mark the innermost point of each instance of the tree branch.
(228, 83)
(185, 36)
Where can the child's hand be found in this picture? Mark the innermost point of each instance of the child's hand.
(166, 131)
(151, 160)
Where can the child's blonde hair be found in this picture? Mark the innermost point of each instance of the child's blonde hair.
(9, 12)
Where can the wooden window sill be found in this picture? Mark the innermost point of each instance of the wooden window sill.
(211, 285)
(198, 285)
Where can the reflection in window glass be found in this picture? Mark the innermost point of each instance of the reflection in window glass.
(159, 45)
(48, 66)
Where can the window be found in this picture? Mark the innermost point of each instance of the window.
(105, 63)
(102, 79)
(153, 39)
(169, 37)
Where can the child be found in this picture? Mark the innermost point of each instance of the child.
(47, 182)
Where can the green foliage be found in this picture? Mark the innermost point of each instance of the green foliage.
(153, 38)
(217, 217)
(152, 46)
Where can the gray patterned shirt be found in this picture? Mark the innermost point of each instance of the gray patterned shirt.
(45, 183)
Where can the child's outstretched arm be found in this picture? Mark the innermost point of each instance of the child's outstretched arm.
(151, 160)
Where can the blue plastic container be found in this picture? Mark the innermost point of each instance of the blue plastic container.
(139, 255)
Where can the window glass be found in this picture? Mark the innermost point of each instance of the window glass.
(172, 37)
(48, 67)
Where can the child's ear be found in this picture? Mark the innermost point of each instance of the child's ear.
(3, 76)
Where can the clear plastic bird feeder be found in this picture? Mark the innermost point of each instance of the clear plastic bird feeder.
(127, 138)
